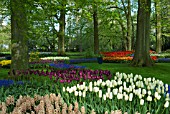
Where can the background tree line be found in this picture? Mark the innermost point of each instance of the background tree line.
(88, 25)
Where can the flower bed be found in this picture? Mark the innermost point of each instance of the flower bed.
(9, 82)
(5, 62)
(55, 58)
(66, 66)
(68, 75)
(121, 56)
(128, 92)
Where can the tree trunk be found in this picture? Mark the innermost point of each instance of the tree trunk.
(19, 40)
(61, 48)
(158, 26)
(96, 37)
(129, 27)
(142, 56)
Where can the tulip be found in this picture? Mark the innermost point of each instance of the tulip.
(104, 97)
(100, 93)
(166, 105)
(141, 101)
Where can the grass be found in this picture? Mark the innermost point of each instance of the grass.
(159, 71)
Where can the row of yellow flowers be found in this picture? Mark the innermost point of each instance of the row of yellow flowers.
(117, 58)
(5, 62)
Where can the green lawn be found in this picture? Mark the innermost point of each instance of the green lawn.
(160, 70)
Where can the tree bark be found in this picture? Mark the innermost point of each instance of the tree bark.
(19, 40)
(142, 55)
(129, 27)
(158, 26)
(61, 34)
(96, 37)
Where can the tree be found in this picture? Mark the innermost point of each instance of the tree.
(19, 40)
(158, 26)
(95, 22)
(142, 54)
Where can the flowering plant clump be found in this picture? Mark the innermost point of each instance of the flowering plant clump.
(9, 82)
(121, 56)
(55, 58)
(68, 75)
(126, 92)
(5, 62)
(65, 66)
(47, 104)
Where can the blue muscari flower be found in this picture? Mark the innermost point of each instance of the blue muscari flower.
(9, 82)
(67, 66)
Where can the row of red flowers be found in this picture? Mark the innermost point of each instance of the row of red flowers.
(122, 55)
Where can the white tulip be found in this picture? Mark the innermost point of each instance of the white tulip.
(115, 78)
(140, 96)
(131, 80)
(67, 89)
(119, 96)
(153, 79)
(127, 79)
(96, 89)
(167, 95)
(104, 97)
(74, 88)
(126, 97)
(86, 88)
(78, 86)
(125, 76)
(84, 93)
(110, 95)
(100, 93)
(84, 84)
(166, 88)
(117, 73)
(149, 79)
(130, 96)
(76, 93)
(107, 95)
(108, 89)
(95, 83)
(159, 97)
(64, 89)
(80, 93)
(166, 105)
(149, 98)
(70, 90)
(103, 84)
(120, 89)
(115, 91)
(140, 77)
(141, 101)
(156, 94)
(149, 92)
(98, 83)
